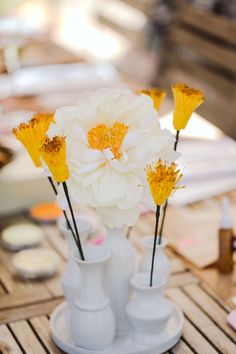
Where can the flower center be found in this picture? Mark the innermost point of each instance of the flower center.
(105, 137)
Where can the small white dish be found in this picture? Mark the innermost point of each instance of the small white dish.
(122, 344)
(20, 236)
(36, 263)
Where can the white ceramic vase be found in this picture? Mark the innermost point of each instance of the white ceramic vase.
(92, 320)
(149, 311)
(70, 278)
(162, 263)
(118, 273)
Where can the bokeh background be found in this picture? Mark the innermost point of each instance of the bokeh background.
(148, 42)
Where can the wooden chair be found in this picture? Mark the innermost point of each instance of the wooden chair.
(200, 49)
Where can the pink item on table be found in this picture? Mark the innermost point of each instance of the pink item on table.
(97, 241)
(231, 319)
(144, 210)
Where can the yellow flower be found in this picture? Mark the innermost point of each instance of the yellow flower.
(33, 133)
(157, 95)
(53, 152)
(186, 100)
(162, 180)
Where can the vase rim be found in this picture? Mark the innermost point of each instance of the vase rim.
(84, 225)
(141, 281)
(97, 260)
(144, 240)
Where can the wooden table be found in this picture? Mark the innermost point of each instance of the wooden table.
(25, 306)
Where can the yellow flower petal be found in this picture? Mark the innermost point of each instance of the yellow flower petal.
(186, 100)
(104, 137)
(53, 152)
(162, 180)
(33, 133)
(157, 95)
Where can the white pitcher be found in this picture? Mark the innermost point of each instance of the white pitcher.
(92, 320)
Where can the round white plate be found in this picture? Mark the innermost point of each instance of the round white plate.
(60, 330)
(36, 263)
(22, 235)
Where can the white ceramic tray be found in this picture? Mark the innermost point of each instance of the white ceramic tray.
(60, 330)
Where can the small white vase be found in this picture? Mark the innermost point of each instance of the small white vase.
(117, 278)
(92, 320)
(70, 278)
(149, 311)
(162, 263)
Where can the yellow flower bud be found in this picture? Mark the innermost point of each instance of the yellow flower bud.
(162, 180)
(186, 100)
(33, 133)
(157, 95)
(53, 152)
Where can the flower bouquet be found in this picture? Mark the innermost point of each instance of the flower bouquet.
(110, 153)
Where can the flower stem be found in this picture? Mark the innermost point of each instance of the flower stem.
(52, 185)
(73, 219)
(162, 222)
(166, 203)
(154, 243)
(64, 212)
(128, 232)
(176, 140)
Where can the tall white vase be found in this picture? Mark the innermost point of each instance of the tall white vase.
(149, 310)
(70, 278)
(92, 320)
(118, 273)
(162, 263)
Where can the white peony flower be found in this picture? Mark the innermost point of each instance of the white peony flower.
(111, 135)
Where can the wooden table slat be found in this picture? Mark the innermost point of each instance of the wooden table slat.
(181, 348)
(41, 326)
(181, 279)
(177, 266)
(216, 297)
(201, 321)
(15, 300)
(27, 338)
(195, 339)
(209, 306)
(7, 279)
(29, 311)
(8, 344)
(2, 289)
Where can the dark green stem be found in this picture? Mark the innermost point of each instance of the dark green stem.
(154, 243)
(64, 212)
(176, 140)
(166, 203)
(162, 222)
(52, 184)
(128, 232)
(73, 219)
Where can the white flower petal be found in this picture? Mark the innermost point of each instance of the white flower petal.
(115, 217)
(110, 187)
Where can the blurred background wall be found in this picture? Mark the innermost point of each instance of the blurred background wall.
(150, 42)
